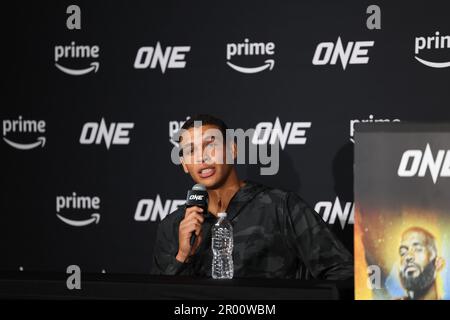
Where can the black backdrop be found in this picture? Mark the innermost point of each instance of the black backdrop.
(392, 85)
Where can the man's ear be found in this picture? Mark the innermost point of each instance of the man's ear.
(184, 165)
(439, 263)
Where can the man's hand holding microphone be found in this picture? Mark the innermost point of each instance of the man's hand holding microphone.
(189, 232)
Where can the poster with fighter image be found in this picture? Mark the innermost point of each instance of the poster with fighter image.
(402, 211)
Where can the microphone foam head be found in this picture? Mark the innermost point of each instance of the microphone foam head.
(199, 187)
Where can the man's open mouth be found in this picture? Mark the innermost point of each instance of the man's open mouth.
(207, 172)
(410, 270)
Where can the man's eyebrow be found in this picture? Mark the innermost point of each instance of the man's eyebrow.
(417, 244)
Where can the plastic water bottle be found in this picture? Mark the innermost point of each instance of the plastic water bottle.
(222, 247)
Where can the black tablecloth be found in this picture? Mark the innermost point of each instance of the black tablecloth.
(107, 286)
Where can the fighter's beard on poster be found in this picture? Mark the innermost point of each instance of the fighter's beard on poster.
(419, 285)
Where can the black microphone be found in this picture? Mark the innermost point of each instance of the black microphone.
(198, 196)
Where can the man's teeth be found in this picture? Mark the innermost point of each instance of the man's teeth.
(206, 171)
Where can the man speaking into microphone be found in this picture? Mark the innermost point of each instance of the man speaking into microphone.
(276, 234)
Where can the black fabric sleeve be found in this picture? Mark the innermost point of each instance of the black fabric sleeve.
(166, 249)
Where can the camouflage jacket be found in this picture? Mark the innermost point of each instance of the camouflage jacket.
(276, 235)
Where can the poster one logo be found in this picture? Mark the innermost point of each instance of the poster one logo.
(248, 48)
(416, 163)
(355, 52)
(154, 209)
(116, 133)
(171, 58)
(76, 52)
(21, 127)
(76, 203)
(436, 42)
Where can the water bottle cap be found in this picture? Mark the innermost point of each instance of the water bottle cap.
(222, 214)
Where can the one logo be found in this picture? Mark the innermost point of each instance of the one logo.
(152, 209)
(371, 119)
(75, 202)
(24, 127)
(74, 51)
(434, 42)
(170, 58)
(115, 133)
(198, 197)
(293, 133)
(417, 163)
(355, 52)
(251, 49)
(332, 211)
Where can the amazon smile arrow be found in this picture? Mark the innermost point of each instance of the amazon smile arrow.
(26, 146)
(433, 64)
(268, 64)
(74, 72)
(95, 217)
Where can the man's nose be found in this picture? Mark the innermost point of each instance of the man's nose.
(198, 159)
(200, 156)
(409, 257)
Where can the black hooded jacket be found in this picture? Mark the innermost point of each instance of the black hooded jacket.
(276, 235)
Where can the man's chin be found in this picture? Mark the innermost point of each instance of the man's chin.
(422, 282)
(209, 183)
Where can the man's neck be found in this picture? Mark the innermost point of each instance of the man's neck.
(220, 198)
